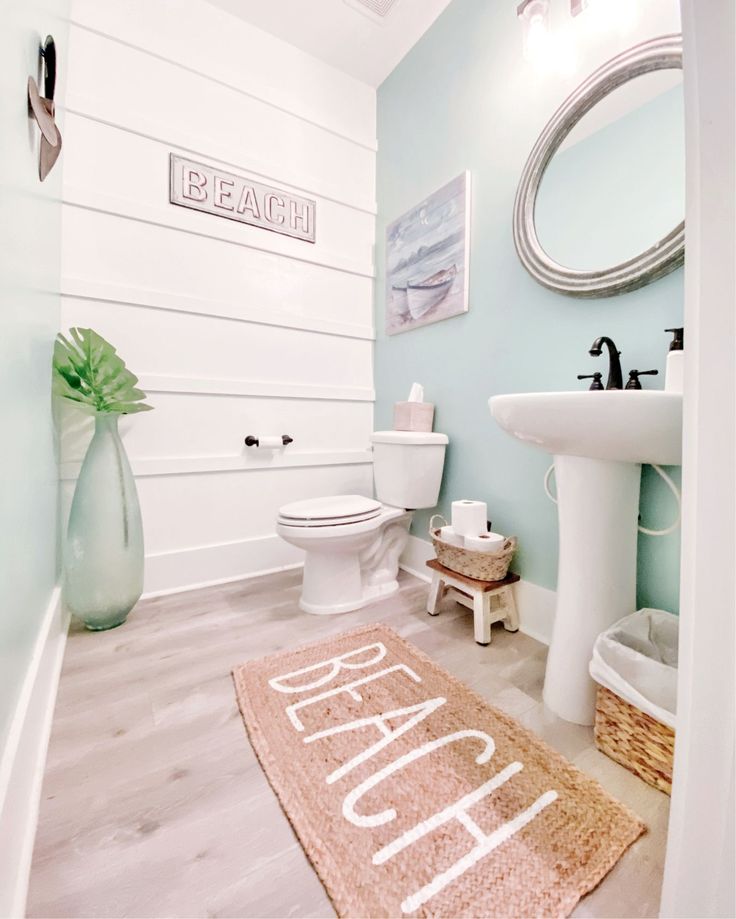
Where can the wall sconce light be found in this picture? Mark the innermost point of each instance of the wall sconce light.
(535, 21)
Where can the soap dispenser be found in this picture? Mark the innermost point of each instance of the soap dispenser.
(674, 372)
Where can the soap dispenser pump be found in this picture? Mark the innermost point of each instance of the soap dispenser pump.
(674, 372)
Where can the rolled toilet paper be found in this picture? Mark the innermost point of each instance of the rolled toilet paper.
(469, 517)
(271, 441)
(448, 535)
(487, 542)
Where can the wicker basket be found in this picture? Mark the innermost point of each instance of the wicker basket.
(483, 566)
(634, 739)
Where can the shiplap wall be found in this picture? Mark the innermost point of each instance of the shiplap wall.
(232, 330)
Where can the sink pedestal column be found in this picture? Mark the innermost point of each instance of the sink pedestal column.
(598, 513)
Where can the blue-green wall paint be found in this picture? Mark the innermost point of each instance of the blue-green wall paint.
(463, 99)
(30, 255)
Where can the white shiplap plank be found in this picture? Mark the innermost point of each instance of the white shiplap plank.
(176, 99)
(229, 51)
(199, 147)
(253, 460)
(157, 382)
(218, 563)
(101, 249)
(206, 226)
(260, 315)
(207, 424)
(135, 173)
(202, 347)
(192, 509)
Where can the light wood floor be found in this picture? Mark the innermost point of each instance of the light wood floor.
(153, 802)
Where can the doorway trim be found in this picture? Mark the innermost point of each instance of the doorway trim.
(698, 878)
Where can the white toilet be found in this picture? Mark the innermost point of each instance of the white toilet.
(353, 543)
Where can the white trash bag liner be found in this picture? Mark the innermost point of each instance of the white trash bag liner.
(636, 658)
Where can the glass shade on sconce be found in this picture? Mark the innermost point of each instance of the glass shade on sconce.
(535, 21)
(548, 51)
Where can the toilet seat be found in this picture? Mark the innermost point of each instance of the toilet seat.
(331, 511)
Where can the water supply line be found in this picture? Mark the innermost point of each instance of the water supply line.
(547, 477)
(675, 491)
(661, 473)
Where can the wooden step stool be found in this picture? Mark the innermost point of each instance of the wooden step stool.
(478, 596)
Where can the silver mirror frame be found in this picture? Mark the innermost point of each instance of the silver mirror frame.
(657, 54)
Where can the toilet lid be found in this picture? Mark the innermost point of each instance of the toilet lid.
(335, 509)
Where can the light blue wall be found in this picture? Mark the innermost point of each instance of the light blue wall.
(461, 100)
(30, 252)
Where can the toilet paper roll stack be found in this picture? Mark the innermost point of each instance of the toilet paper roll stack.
(470, 527)
(469, 518)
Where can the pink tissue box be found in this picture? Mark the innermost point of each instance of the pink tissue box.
(413, 416)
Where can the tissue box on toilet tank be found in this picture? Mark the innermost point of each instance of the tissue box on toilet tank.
(413, 416)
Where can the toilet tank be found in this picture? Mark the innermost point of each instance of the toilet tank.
(407, 467)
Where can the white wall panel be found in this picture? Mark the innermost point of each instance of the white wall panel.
(138, 257)
(231, 329)
(175, 344)
(136, 169)
(195, 425)
(188, 511)
(199, 566)
(230, 51)
(160, 99)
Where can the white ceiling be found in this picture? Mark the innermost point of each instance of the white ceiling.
(338, 34)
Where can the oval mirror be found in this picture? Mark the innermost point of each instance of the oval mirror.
(600, 204)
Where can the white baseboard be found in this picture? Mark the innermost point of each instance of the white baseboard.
(536, 604)
(536, 607)
(203, 566)
(415, 557)
(24, 758)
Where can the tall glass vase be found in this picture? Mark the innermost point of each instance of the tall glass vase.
(103, 557)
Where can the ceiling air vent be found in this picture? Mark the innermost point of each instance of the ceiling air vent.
(375, 9)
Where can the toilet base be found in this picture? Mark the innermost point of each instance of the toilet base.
(373, 592)
(346, 567)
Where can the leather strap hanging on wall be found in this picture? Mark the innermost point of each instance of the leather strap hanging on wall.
(44, 110)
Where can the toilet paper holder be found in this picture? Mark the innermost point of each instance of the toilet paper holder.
(252, 440)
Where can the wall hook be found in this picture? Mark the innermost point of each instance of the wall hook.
(44, 110)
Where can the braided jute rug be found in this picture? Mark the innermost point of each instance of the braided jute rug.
(412, 796)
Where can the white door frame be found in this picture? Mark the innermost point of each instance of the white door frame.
(699, 869)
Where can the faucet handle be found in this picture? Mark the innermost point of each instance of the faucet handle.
(633, 381)
(595, 377)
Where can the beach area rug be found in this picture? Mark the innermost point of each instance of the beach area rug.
(412, 796)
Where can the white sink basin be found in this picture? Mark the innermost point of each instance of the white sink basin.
(599, 441)
(630, 426)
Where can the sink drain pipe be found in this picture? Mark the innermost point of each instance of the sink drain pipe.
(661, 473)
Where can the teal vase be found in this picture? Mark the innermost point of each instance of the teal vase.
(103, 557)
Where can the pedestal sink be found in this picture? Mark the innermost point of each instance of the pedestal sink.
(599, 441)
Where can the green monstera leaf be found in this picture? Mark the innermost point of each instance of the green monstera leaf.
(88, 371)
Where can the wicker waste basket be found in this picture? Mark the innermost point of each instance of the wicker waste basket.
(635, 665)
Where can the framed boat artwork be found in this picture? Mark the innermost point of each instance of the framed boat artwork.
(427, 255)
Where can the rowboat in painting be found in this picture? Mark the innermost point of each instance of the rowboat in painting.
(422, 296)
(399, 302)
